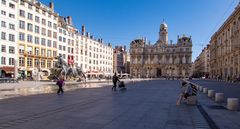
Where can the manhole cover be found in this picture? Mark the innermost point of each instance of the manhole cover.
(216, 107)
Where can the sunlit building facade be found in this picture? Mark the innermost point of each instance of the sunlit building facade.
(225, 48)
(8, 36)
(33, 34)
(161, 59)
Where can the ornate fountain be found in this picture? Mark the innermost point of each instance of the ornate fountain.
(63, 69)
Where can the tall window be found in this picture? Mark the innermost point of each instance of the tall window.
(43, 62)
(22, 13)
(30, 16)
(55, 26)
(3, 13)
(49, 53)
(55, 35)
(22, 24)
(22, 2)
(11, 15)
(11, 5)
(21, 61)
(12, 26)
(29, 27)
(43, 42)
(3, 48)
(11, 61)
(37, 29)
(37, 19)
(11, 50)
(36, 62)
(49, 64)
(36, 51)
(29, 6)
(3, 24)
(49, 24)
(54, 53)
(3, 36)
(12, 37)
(21, 36)
(3, 62)
(49, 43)
(49, 33)
(36, 40)
(29, 38)
(44, 31)
(29, 62)
(43, 52)
(4, 2)
(29, 51)
(21, 50)
(54, 44)
(44, 21)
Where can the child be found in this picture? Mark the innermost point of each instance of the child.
(60, 84)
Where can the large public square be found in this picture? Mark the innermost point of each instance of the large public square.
(146, 104)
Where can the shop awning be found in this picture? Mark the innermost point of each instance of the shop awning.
(8, 70)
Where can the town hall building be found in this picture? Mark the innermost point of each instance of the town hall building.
(161, 59)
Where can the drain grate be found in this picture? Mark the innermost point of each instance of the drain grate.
(209, 120)
(217, 107)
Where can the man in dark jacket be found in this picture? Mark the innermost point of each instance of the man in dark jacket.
(115, 80)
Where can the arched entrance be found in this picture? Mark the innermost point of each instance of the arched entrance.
(159, 72)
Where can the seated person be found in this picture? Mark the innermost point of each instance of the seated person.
(186, 91)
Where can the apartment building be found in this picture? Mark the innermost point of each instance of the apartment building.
(37, 44)
(9, 35)
(202, 64)
(225, 48)
(95, 56)
(33, 34)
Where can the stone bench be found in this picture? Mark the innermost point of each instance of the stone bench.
(192, 100)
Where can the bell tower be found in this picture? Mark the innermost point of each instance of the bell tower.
(163, 34)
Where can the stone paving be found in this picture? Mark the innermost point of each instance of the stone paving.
(144, 105)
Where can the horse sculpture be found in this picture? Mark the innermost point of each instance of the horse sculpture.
(63, 69)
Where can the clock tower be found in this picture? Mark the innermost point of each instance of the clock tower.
(163, 34)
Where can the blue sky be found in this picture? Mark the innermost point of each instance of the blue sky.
(121, 21)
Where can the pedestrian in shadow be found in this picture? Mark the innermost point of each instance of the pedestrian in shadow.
(115, 80)
(60, 83)
(184, 92)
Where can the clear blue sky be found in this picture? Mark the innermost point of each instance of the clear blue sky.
(121, 21)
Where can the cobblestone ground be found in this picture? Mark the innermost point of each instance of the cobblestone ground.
(144, 105)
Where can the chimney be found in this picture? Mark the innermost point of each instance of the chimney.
(88, 34)
(99, 40)
(83, 30)
(69, 18)
(91, 37)
(125, 48)
(51, 5)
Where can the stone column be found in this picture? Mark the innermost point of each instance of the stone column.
(184, 60)
(16, 68)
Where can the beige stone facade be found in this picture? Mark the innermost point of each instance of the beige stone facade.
(225, 48)
(202, 63)
(161, 59)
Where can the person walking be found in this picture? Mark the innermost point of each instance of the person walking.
(115, 80)
(60, 83)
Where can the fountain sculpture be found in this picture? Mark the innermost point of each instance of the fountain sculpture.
(63, 69)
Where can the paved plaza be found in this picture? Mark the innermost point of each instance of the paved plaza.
(145, 105)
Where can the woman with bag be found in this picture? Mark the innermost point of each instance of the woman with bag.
(60, 83)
